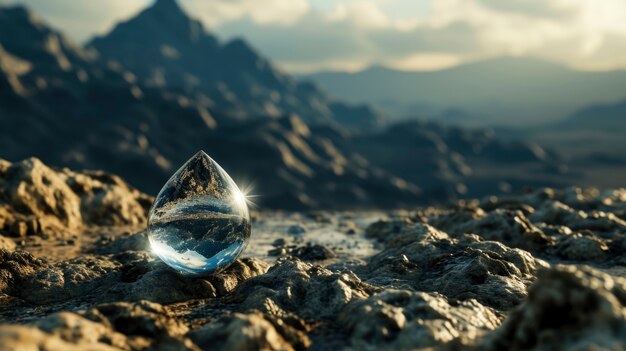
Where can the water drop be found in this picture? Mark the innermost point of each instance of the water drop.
(199, 222)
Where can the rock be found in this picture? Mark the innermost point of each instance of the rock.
(240, 271)
(568, 308)
(126, 242)
(508, 227)
(553, 212)
(6, 244)
(292, 286)
(174, 287)
(296, 229)
(109, 278)
(466, 268)
(409, 233)
(309, 252)
(33, 189)
(573, 224)
(449, 220)
(349, 227)
(253, 331)
(79, 277)
(580, 247)
(107, 200)
(35, 199)
(382, 229)
(320, 216)
(79, 331)
(16, 267)
(407, 320)
(559, 213)
(279, 242)
(107, 327)
(140, 318)
(313, 253)
(17, 337)
(18, 229)
(279, 251)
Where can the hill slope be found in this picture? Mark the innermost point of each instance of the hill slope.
(508, 91)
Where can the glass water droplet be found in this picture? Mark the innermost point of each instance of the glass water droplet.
(199, 223)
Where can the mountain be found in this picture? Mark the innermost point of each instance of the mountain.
(163, 46)
(72, 107)
(505, 91)
(452, 162)
(76, 107)
(592, 138)
(599, 117)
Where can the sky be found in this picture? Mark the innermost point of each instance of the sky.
(312, 35)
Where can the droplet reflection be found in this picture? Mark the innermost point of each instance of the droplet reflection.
(199, 223)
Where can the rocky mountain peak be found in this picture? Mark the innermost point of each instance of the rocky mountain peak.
(163, 46)
(165, 21)
(19, 26)
(17, 12)
(170, 15)
(26, 37)
(167, 5)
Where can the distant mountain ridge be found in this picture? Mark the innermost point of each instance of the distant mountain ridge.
(504, 91)
(609, 117)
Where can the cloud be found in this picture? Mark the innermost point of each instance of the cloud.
(276, 12)
(426, 62)
(82, 19)
(533, 8)
(361, 14)
(354, 34)
(304, 35)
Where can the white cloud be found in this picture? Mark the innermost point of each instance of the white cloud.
(362, 14)
(82, 19)
(215, 12)
(425, 62)
(563, 30)
(355, 33)
(350, 34)
(532, 8)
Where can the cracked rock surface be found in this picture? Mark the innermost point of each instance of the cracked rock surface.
(541, 270)
(38, 200)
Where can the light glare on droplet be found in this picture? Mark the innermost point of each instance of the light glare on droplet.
(239, 198)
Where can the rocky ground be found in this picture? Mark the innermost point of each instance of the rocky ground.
(540, 270)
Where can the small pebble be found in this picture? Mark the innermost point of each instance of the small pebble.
(279, 242)
(296, 229)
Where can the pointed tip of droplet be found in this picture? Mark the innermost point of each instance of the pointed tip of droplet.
(201, 154)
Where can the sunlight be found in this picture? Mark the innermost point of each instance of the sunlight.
(244, 195)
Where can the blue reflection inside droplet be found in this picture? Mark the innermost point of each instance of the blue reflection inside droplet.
(192, 262)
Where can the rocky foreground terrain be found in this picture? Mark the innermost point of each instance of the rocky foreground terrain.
(540, 270)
